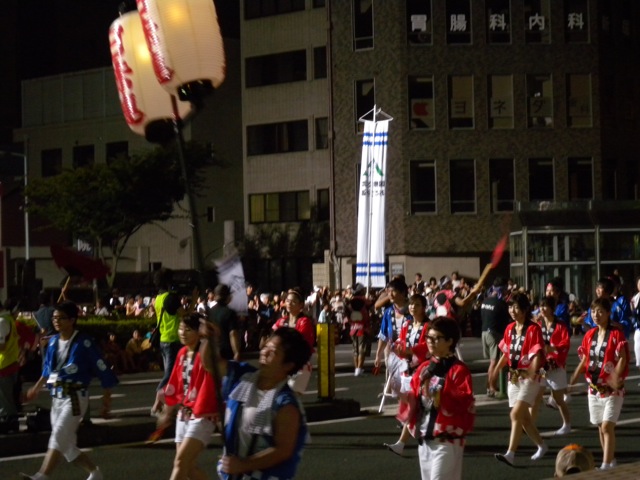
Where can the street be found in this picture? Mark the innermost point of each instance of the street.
(352, 448)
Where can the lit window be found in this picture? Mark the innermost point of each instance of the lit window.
(537, 21)
(279, 207)
(461, 101)
(540, 101)
(498, 21)
(419, 21)
(500, 101)
(421, 104)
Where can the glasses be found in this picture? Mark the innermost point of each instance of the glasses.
(435, 339)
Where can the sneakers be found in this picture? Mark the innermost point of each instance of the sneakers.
(95, 475)
(508, 458)
(564, 430)
(542, 449)
(397, 448)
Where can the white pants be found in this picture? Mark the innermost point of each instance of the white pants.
(440, 460)
(64, 425)
(636, 346)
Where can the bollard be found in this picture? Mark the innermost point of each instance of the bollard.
(326, 361)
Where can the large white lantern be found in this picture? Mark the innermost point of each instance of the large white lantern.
(186, 45)
(147, 107)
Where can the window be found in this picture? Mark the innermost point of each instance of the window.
(362, 24)
(541, 181)
(458, 22)
(51, 162)
(277, 68)
(277, 138)
(323, 210)
(211, 214)
(610, 179)
(578, 100)
(498, 21)
(322, 133)
(537, 21)
(580, 178)
(266, 8)
(421, 105)
(423, 186)
(115, 150)
(83, 156)
(461, 101)
(365, 99)
(318, 3)
(279, 207)
(500, 101)
(501, 184)
(462, 185)
(540, 101)
(320, 62)
(419, 22)
(576, 22)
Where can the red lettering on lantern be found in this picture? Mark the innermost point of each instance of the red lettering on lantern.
(164, 73)
(132, 114)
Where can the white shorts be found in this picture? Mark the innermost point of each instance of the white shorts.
(440, 460)
(636, 346)
(526, 390)
(198, 428)
(64, 425)
(556, 379)
(299, 381)
(604, 409)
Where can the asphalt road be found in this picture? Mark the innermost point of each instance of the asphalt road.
(352, 448)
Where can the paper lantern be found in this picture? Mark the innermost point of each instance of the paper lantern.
(147, 107)
(186, 46)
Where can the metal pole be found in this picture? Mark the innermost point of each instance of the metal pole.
(26, 199)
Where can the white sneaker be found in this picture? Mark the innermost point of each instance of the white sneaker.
(564, 430)
(542, 449)
(396, 448)
(95, 475)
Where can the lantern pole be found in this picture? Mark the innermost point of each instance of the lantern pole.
(194, 221)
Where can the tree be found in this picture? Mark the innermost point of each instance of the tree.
(108, 203)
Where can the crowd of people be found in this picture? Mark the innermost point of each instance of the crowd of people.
(411, 329)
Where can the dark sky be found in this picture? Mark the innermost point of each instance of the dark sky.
(47, 37)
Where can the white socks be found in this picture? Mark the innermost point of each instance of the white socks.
(564, 430)
(542, 449)
(397, 448)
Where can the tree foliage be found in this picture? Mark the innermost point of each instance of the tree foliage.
(108, 203)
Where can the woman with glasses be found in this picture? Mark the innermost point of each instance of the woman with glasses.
(296, 318)
(442, 405)
(604, 361)
(523, 352)
(71, 360)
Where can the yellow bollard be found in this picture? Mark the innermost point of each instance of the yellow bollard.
(326, 361)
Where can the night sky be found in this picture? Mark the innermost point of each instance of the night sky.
(47, 37)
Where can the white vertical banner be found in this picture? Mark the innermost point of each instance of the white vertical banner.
(231, 273)
(372, 188)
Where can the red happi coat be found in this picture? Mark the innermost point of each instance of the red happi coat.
(200, 397)
(616, 344)
(456, 413)
(420, 349)
(561, 340)
(533, 343)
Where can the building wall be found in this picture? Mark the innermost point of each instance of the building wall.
(391, 61)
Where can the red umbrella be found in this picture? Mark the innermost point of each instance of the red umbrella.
(77, 264)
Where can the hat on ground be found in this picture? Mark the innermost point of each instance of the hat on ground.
(574, 458)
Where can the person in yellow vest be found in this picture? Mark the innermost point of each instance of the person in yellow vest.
(9, 366)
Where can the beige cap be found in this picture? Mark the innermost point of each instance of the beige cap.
(573, 458)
